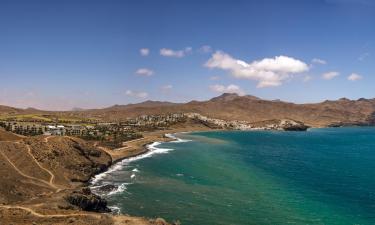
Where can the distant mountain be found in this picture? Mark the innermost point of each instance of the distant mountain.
(77, 109)
(143, 104)
(248, 108)
(9, 110)
(226, 97)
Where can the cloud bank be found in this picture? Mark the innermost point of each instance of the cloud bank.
(330, 75)
(319, 61)
(205, 49)
(227, 89)
(144, 72)
(136, 94)
(269, 72)
(175, 53)
(354, 77)
(144, 51)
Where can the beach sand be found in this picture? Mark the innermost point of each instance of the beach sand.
(138, 146)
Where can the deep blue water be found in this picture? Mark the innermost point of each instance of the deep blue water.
(322, 176)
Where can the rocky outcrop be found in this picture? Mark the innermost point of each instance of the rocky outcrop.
(291, 125)
(284, 124)
(87, 201)
(108, 188)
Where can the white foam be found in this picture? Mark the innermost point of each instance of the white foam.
(153, 150)
(115, 209)
(120, 188)
(118, 166)
(135, 170)
(98, 177)
(177, 140)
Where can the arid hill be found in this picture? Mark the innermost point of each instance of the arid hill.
(253, 109)
(8, 136)
(247, 108)
(42, 182)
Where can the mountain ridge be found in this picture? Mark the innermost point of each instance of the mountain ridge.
(229, 106)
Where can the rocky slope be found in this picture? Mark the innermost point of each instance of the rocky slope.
(43, 178)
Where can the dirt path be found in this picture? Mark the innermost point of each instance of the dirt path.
(25, 175)
(46, 139)
(34, 213)
(52, 176)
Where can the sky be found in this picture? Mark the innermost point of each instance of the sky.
(64, 54)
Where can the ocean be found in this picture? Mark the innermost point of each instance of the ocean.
(322, 176)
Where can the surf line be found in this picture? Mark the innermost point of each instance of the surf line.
(152, 149)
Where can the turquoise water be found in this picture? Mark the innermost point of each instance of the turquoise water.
(322, 176)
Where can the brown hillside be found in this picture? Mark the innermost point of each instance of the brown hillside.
(247, 108)
(41, 179)
(252, 109)
(8, 136)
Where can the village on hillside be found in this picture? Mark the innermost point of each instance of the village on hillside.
(113, 134)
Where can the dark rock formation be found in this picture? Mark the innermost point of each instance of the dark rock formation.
(88, 201)
(107, 188)
(294, 126)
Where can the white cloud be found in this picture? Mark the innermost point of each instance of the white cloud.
(188, 50)
(363, 56)
(205, 49)
(175, 53)
(144, 72)
(318, 61)
(227, 89)
(307, 78)
(354, 77)
(330, 75)
(167, 87)
(144, 51)
(269, 72)
(137, 94)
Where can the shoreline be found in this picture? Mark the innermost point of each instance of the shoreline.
(132, 150)
(139, 150)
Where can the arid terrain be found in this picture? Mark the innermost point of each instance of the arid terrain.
(44, 178)
(234, 107)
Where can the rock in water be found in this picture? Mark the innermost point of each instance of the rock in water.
(107, 188)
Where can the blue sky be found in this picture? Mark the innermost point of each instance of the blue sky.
(64, 54)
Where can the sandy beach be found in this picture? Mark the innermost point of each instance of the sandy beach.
(138, 146)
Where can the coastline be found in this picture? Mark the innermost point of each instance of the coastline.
(62, 195)
(140, 147)
(48, 206)
(134, 150)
